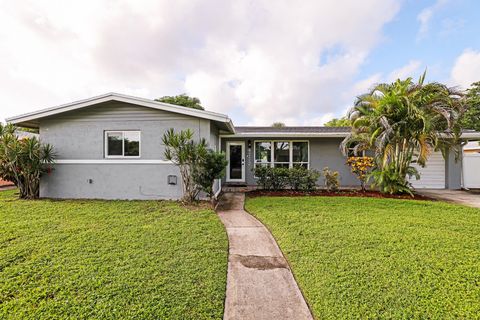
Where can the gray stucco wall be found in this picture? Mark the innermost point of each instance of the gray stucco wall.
(79, 135)
(324, 152)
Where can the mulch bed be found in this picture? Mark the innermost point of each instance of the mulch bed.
(4, 183)
(340, 193)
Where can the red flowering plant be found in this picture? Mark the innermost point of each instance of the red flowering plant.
(360, 166)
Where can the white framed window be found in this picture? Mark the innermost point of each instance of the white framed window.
(122, 144)
(282, 153)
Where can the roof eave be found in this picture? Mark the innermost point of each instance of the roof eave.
(29, 117)
(286, 134)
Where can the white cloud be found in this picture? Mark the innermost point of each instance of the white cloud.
(425, 17)
(408, 70)
(466, 69)
(411, 69)
(275, 60)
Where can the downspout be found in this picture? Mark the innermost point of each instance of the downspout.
(462, 181)
(219, 180)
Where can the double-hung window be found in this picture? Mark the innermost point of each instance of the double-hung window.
(122, 144)
(281, 154)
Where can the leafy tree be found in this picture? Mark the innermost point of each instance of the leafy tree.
(24, 161)
(210, 167)
(471, 117)
(342, 122)
(404, 122)
(278, 125)
(182, 100)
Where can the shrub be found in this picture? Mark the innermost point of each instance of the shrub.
(271, 178)
(262, 175)
(300, 178)
(360, 166)
(209, 167)
(23, 161)
(388, 180)
(331, 178)
(297, 178)
(310, 180)
(279, 178)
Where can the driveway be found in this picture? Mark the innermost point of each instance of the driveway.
(467, 198)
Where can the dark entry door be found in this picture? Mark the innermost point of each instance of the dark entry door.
(236, 161)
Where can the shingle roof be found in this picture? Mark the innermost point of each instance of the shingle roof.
(252, 129)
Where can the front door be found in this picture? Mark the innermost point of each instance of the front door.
(236, 161)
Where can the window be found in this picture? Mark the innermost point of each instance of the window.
(300, 154)
(263, 153)
(122, 144)
(281, 154)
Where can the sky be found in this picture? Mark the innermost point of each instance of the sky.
(263, 61)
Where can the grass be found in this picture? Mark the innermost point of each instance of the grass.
(110, 259)
(379, 258)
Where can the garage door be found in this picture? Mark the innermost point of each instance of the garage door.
(433, 175)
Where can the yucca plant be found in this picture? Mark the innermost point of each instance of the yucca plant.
(403, 123)
(23, 161)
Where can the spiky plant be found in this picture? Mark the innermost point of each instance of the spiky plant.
(23, 161)
(403, 123)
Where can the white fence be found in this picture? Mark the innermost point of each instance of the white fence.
(471, 170)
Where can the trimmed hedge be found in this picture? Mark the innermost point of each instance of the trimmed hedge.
(297, 178)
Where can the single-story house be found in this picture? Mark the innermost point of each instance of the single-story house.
(110, 147)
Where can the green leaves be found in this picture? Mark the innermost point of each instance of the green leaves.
(24, 161)
(199, 166)
(182, 100)
(404, 122)
(209, 167)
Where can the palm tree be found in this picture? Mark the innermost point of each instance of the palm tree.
(403, 123)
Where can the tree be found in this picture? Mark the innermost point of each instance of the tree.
(210, 167)
(183, 151)
(342, 122)
(24, 161)
(182, 100)
(471, 117)
(404, 122)
(278, 125)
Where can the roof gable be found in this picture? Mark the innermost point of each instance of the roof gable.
(31, 119)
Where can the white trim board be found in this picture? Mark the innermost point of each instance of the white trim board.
(110, 161)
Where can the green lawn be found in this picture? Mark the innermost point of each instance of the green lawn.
(379, 258)
(110, 259)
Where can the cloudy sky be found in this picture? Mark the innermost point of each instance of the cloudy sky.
(299, 62)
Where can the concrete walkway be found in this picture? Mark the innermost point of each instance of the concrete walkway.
(260, 284)
(456, 196)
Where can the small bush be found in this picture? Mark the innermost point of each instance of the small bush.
(210, 167)
(297, 178)
(360, 166)
(332, 179)
(303, 179)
